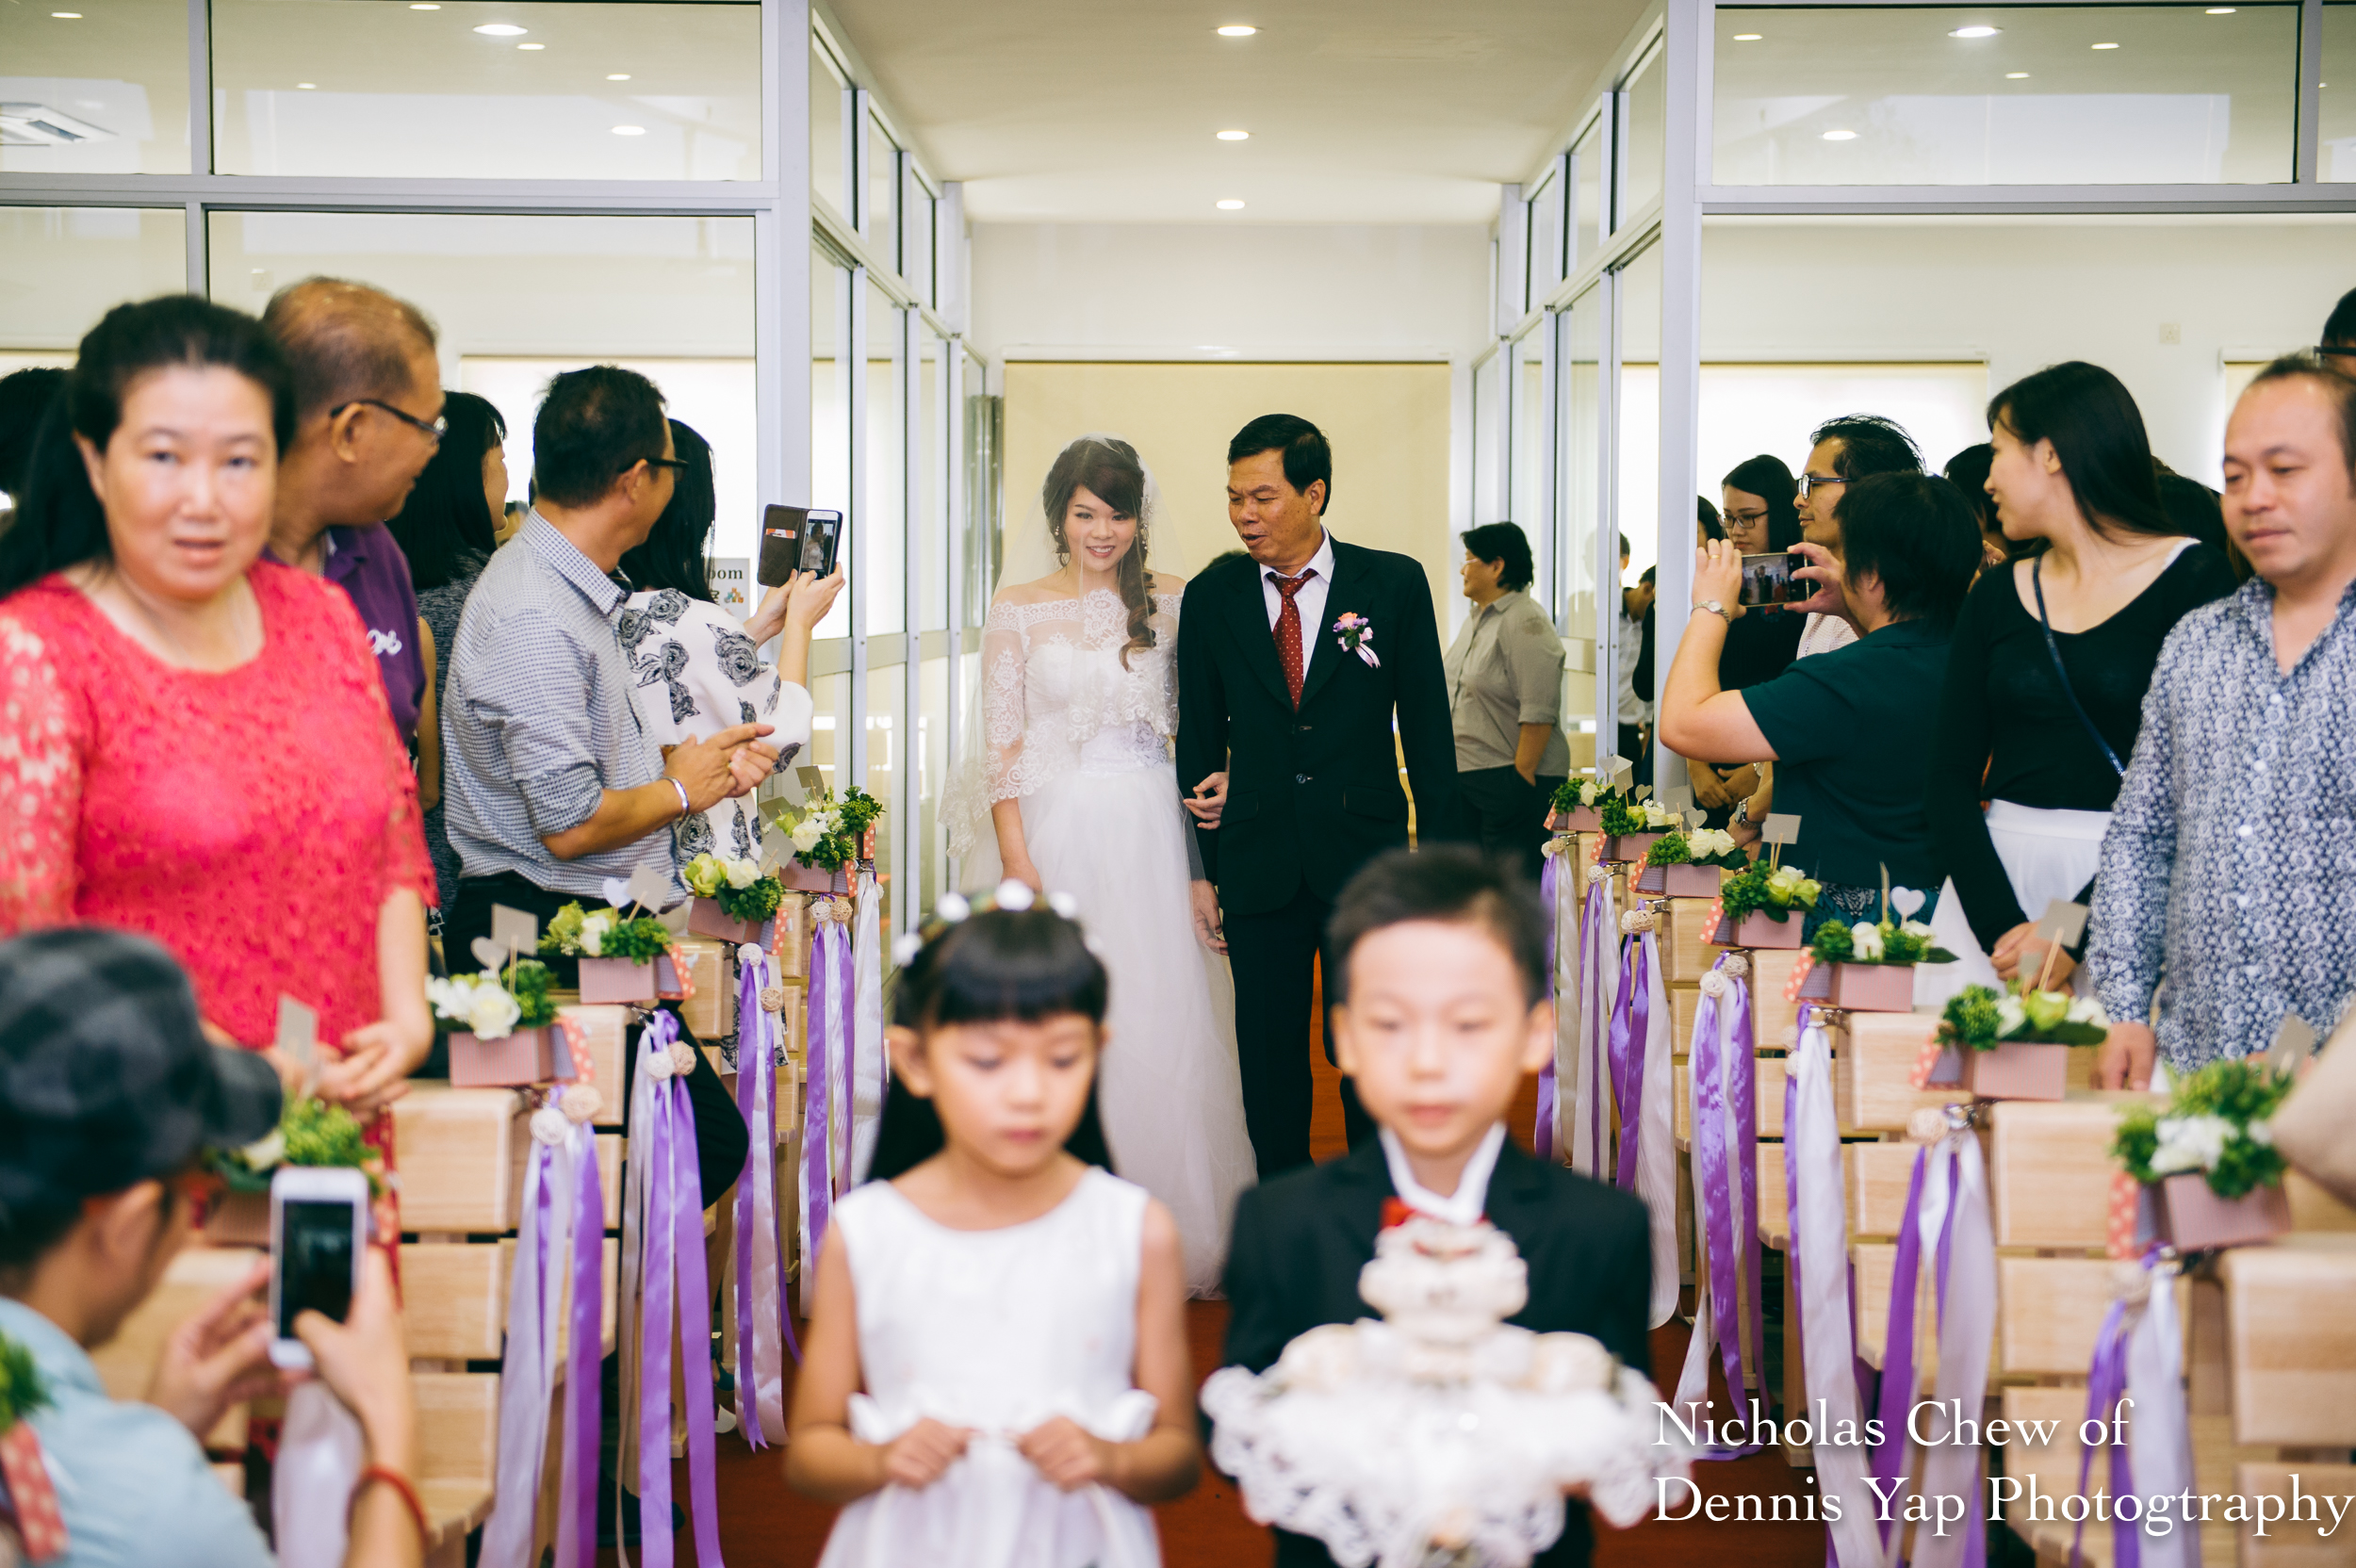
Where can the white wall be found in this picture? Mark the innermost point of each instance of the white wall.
(2021, 293)
(1287, 291)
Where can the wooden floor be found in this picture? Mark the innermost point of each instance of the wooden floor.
(764, 1523)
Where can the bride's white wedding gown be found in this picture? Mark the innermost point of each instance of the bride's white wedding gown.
(1083, 743)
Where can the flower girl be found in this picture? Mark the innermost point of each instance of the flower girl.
(996, 1375)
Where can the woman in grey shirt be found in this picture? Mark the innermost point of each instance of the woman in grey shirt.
(1505, 691)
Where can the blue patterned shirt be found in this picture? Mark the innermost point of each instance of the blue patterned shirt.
(2230, 866)
(537, 720)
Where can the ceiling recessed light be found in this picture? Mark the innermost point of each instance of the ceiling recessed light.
(2106, 46)
(618, 76)
(1748, 38)
(2016, 76)
(501, 29)
(2220, 10)
(424, 6)
(1231, 205)
(1977, 30)
(1841, 136)
(1234, 136)
(1237, 31)
(67, 16)
(629, 130)
(307, 87)
(531, 46)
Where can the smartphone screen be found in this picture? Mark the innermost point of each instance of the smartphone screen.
(822, 541)
(1767, 579)
(314, 1260)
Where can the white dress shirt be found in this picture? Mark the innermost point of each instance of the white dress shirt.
(1823, 633)
(1466, 1205)
(1311, 598)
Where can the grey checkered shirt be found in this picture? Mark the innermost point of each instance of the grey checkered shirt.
(538, 721)
(2230, 865)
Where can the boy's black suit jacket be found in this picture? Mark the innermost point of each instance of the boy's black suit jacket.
(1313, 795)
(1301, 1240)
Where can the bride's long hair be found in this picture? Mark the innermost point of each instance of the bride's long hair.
(1110, 470)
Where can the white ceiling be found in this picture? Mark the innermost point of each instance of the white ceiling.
(1361, 111)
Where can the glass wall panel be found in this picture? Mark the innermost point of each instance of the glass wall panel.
(932, 497)
(982, 430)
(883, 519)
(880, 222)
(2005, 95)
(829, 409)
(932, 777)
(488, 89)
(1647, 103)
(1545, 239)
(830, 727)
(886, 773)
(2338, 161)
(827, 155)
(519, 298)
(1590, 162)
(1638, 409)
(63, 268)
(103, 89)
(1580, 389)
(1533, 454)
(917, 214)
(1490, 454)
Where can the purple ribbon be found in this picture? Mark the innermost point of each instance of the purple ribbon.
(577, 1510)
(1591, 965)
(1632, 1018)
(1733, 1239)
(1898, 1375)
(1549, 881)
(759, 1257)
(817, 1148)
(675, 1256)
(2106, 1382)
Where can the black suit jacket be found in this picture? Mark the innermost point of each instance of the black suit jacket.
(1313, 795)
(1301, 1240)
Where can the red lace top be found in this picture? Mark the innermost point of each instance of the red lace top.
(251, 821)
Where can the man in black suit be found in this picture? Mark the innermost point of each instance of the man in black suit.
(1440, 1009)
(1290, 665)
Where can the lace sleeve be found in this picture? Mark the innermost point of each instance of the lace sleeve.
(990, 766)
(42, 726)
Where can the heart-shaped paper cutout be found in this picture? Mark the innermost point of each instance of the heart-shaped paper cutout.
(617, 890)
(1907, 901)
(488, 953)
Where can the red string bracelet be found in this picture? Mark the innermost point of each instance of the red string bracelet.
(400, 1483)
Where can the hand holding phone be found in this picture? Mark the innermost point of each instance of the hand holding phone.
(319, 1234)
(796, 539)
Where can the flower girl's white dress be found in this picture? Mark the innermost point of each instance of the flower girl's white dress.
(998, 1331)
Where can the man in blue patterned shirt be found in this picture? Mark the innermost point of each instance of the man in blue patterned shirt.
(2230, 867)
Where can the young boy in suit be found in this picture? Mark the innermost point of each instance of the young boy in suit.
(1436, 972)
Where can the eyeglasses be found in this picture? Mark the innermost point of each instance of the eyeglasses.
(432, 429)
(1745, 519)
(662, 463)
(1810, 482)
(2334, 350)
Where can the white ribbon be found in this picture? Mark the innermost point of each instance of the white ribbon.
(2159, 1446)
(1967, 1323)
(1820, 1239)
(863, 1104)
(1693, 1378)
(1655, 1137)
(528, 1376)
(1569, 984)
(320, 1449)
(1589, 1082)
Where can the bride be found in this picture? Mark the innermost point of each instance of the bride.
(1073, 779)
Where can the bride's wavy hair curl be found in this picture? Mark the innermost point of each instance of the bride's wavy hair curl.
(1110, 469)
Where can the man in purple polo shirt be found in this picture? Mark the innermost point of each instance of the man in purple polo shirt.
(368, 417)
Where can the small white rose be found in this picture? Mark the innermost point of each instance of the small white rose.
(491, 1013)
(742, 874)
(1917, 928)
(265, 1153)
(682, 1059)
(1014, 895)
(593, 930)
(1587, 793)
(1865, 941)
(550, 1126)
(1714, 984)
(657, 1065)
(582, 1103)
(2010, 1015)
(807, 834)
(449, 997)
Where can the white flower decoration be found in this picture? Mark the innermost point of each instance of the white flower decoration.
(953, 907)
(2190, 1143)
(658, 1065)
(2260, 1133)
(1587, 792)
(1917, 928)
(1014, 895)
(1707, 841)
(748, 953)
(593, 932)
(806, 834)
(683, 1057)
(449, 997)
(491, 1013)
(2087, 1009)
(550, 1126)
(2010, 1015)
(1865, 941)
(1064, 905)
(1714, 984)
(1597, 874)
(742, 874)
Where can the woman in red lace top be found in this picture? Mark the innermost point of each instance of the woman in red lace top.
(193, 741)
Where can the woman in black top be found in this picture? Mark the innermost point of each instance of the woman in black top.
(1762, 516)
(2045, 747)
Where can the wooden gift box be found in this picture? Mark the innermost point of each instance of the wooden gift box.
(801, 878)
(1775, 1015)
(705, 918)
(2192, 1218)
(1873, 1067)
(2050, 1170)
(1761, 929)
(710, 1013)
(521, 1058)
(1686, 881)
(1767, 1085)
(1583, 819)
(459, 1156)
(791, 951)
(1686, 954)
(2290, 1341)
(1861, 987)
(606, 1027)
(617, 980)
(2016, 1069)
(1630, 847)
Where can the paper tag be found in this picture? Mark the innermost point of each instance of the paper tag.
(1643, 792)
(1781, 827)
(2065, 923)
(812, 780)
(2293, 1043)
(647, 887)
(490, 954)
(675, 921)
(776, 844)
(515, 931)
(297, 1037)
(1677, 798)
(1699, 818)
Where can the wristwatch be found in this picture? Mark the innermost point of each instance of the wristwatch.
(1742, 811)
(1718, 609)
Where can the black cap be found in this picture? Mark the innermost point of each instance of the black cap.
(106, 1078)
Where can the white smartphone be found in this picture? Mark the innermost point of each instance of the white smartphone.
(319, 1232)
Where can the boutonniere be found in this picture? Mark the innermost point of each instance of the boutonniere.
(1356, 635)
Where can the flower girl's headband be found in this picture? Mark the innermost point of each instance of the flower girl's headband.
(954, 909)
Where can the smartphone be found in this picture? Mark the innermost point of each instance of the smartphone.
(1767, 579)
(319, 1232)
(796, 539)
(822, 543)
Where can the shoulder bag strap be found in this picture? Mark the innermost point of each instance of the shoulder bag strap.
(2036, 585)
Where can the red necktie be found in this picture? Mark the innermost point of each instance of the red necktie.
(1288, 631)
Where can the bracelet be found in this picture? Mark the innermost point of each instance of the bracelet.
(684, 810)
(408, 1494)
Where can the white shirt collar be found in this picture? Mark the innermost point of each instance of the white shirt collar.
(1470, 1200)
(1321, 563)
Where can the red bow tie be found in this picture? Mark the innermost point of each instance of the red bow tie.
(1398, 1211)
